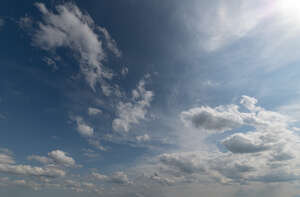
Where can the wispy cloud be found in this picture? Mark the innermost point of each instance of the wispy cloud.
(68, 27)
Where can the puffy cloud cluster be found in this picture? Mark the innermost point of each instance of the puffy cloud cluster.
(133, 112)
(266, 153)
(57, 157)
(8, 165)
(214, 119)
(61, 157)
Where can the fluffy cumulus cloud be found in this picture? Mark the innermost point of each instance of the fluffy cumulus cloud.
(243, 143)
(213, 119)
(55, 157)
(87, 131)
(133, 112)
(266, 153)
(68, 27)
(61, 157)
(8, 165)
(31, 171)
(84, 129)
(116, 178)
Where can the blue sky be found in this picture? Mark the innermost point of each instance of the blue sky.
(149, 98)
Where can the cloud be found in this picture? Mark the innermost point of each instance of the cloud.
(186, 163)
(111, 43)
(162, 180)
(55, 158)
(143, 138)
(6, 159)
(27, 170)
(94, 111)
(216, 24)
(26, 23)
(6, 156)
(228, 117)
(120, 178)
(99, 176)
(87, 131)
(116, 178)
(84, 129)
(216, 119)
(61, 157)
(266, 153)
(41, 159)
(96, 143)
(80, 186)
(68, 27)
(245, 143)
(130, 113)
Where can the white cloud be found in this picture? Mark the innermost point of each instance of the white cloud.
(216, 119)
(87, 131)
(120, 178)
(8, 165)
(267, 153)
(143, 138)
(84, 129)
(61, 157)
(41, 159)
(6, 156)
(6, 159)
(31, 171)
(96, 143)
(246, 143)
(249, 103)
(69, 27)
(99, 176)
(111, 43)
(55, 158)
(228, 117)
(80, 186)
(217, 24)
(116, 178)
(133, 112)
(162, 180)
(94, 111)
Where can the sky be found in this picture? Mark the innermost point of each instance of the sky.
(148, 98)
